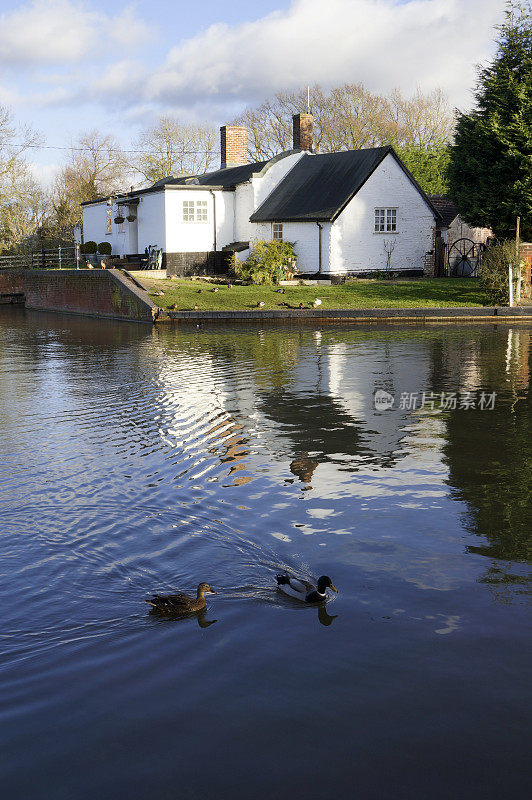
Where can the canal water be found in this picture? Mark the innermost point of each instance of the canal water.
(135, 460)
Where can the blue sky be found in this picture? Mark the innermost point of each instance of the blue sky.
(68, 66)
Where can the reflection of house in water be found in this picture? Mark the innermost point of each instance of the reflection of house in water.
(328, 412)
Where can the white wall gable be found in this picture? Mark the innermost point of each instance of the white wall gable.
(354, 245)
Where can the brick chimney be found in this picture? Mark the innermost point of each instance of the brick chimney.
(302, 127)
(233, 146)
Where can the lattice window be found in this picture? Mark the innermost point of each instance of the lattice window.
(385, 220)
(201, 211)
(278, 231)
(188, 211)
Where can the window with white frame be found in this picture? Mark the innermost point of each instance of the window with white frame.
(109, 221)
(278, 231)
(385, 220)
(201, 211)
(195, 211)
(188, 211)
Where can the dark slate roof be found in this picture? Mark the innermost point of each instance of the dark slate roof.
(319, 187)
(445, 206)
(228, 177)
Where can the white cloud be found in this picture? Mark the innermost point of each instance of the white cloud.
(46, 32)
(68, 54)
(382, 43)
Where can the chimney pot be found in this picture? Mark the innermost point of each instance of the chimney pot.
(233, 146)
(302, 128)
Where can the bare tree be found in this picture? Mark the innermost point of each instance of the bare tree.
(172, 148)
(270, 124)
(23, 215)
(350, 117)
(96, 167)
(389, 246)
(423, 120)
(21, 199)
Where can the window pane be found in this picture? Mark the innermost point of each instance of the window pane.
(201, 211)
(188, 211)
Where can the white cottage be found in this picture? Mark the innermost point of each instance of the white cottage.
(347, 212)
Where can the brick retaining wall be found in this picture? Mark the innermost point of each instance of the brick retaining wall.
(101, 293)
(11, 281)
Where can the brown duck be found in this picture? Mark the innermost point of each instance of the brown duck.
(181, 603)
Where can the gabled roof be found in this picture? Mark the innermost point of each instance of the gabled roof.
(318, 188)
(446, 208)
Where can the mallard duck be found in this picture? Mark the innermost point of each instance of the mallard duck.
(304, 590)
(181, 603)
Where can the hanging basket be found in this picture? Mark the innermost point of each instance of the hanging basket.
(131, 217)
(119, 220)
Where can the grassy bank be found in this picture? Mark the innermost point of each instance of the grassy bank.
(426, 293)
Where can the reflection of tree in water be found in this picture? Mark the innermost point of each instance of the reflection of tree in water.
(489, 454)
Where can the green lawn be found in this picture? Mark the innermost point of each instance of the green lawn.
(435, 293)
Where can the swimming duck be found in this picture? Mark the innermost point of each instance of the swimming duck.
(304, 590)
(181, 603)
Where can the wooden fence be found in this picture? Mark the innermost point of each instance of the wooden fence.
(60, 257)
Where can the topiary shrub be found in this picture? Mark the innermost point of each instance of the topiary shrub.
(105, 249)
(493, 270)
(88, 248)
(268, 263)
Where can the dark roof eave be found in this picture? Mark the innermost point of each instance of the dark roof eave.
(291, 219)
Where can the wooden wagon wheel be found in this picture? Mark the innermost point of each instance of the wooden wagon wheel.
(463, 258)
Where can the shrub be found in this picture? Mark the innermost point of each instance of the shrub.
(493, 270)
(88, 248)
(105, 249)
(268, 263)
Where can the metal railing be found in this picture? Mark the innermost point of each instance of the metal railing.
(60, 257)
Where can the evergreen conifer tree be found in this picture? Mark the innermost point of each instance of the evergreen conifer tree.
(490, 170)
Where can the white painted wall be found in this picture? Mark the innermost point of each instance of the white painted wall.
(150, 225)
(264, 183)
(94, 226)
(355, 247)
(150, 221)
(196, 237)
(244, 230)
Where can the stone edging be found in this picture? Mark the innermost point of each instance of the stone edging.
(353, 315)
